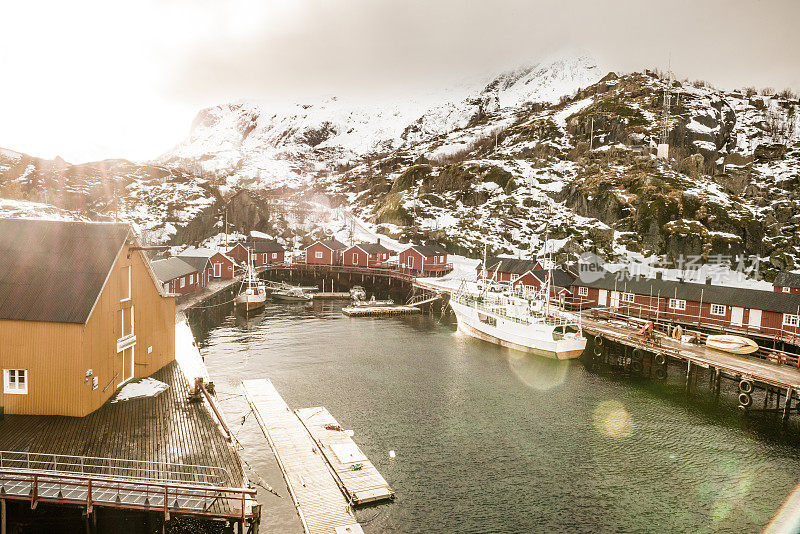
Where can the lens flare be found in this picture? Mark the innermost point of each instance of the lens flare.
(537, 372)
(612, 420)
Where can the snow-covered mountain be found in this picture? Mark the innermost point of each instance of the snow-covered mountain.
(252, 142)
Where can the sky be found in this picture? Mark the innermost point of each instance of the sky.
(89, 80)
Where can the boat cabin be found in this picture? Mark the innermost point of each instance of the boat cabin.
(81, 313)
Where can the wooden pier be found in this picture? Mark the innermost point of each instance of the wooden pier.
(356, 475)
(379, 311)
(331, 295)
(320, 503)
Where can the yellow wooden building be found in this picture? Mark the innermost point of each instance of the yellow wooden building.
(81, 313)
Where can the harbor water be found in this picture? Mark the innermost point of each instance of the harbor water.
(491, 440)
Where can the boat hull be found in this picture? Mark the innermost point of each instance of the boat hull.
(290, 298)
(253, 303)
(732, 344)
(470, 324)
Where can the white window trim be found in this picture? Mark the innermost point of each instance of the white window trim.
(786, 289)
(355, 258)
(318, 254)
(717, 307)
(217, 270)
(677, 304)
(183, 282)
(628, 297)
(791, 319)
(274, 255)
(583, 291)
(130, 294)
(15, 390)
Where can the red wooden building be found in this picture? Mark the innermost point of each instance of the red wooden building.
(787, 283)
(424, 259)
(325, 252)
(560, 281)
(753, 311)
(507, 269)
(220, 265)
(263, 252)
(177, 276)
(366, 255)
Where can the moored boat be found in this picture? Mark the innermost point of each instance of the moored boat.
(294, 294)
(732, 344)
(254, 295)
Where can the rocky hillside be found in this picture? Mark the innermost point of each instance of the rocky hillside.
(561, 147)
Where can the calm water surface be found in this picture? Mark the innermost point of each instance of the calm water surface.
(489, 440)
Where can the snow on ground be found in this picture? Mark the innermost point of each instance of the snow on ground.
(22, 209)
(146, 387)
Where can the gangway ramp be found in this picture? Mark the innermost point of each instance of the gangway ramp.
(356, 475)
(320, 504)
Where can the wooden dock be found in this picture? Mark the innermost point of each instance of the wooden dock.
(331, 295)
(320, 504)
(379, 311)
(767, 372)
(356, 475)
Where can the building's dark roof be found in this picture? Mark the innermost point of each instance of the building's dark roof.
(429, 250)
(202, 253)
(690, 291)
(172, 268)
(199, 263)
(263, 245)
(373, 248)
(560, 277)
(332, 244)
(54, 271)
(784, 279)
(510, 265)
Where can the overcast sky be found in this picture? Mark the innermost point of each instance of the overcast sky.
(94, 79)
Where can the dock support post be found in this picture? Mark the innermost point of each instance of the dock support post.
(788, 404)
(717, 386)
(2, 516)
(688, 374)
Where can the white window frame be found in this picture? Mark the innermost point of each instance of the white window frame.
(217, 270)
(318, 254)
(128, 297)
(583, 291)
(791, 319)
(630, 298)
(355, 258)
(12, 388)
(718, 309)
(411, 262)
(786, 289)
(677, 304)
(183, 282)
(274, 255)
(515, 277)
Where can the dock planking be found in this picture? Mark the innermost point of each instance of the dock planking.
(758, 369)
(320, 504)
(361, 485)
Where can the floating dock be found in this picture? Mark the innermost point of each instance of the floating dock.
(320, 503)
(379, 311)
(331, 295)
(356, 475)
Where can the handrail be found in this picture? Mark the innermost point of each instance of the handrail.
(42, 483)
(115, 467)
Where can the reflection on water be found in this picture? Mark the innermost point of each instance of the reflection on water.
(489, 440)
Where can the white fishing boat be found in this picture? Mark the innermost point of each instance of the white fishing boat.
(294, 294)
(358, 293)
(732, 344)
(527, 323)
(254, 294)
(373, 303)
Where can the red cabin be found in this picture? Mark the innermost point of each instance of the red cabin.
(366, 255)
(220, 265)
(262, 251)
(177, 276)
(787, 283)
(424, 259)
(560, 281)
(326, 252)
(507, 269)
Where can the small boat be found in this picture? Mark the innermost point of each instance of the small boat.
(732, 344)
(254, 295)
(372, 303)
(294, 294)
(358, 293)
